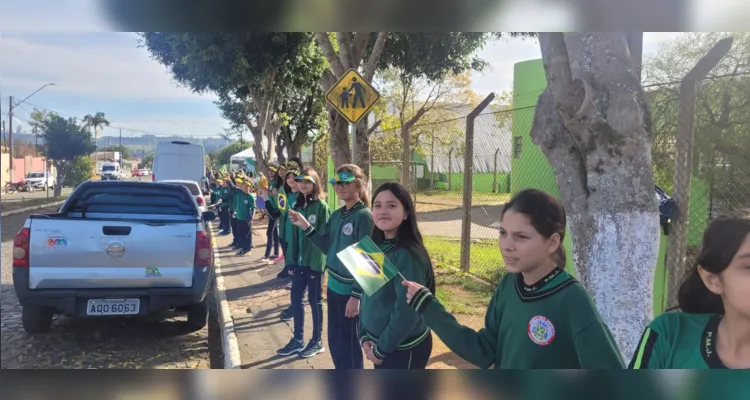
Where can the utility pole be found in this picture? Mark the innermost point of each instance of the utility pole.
(10, 139)
(36, 143)
(120, 148)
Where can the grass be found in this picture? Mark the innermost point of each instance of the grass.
(460, 293)
(486, 261)
(15, 205)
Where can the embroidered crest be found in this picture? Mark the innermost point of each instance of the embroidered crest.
(312, 219)
(245, 201)
(347, 229)
(541, 331)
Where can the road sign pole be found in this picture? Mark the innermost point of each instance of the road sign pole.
(353, 134)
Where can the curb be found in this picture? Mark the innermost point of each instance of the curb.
(32, 208)
(229, 343)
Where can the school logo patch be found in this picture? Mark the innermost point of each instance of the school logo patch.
(541, 331)
(312, 219)
(347, 229)
(245, 201)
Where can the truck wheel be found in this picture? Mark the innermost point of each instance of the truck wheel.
(36, 320)
(197, 315)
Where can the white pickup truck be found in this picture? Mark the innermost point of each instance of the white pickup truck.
(115, 249)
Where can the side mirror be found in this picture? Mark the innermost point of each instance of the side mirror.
(208, 216)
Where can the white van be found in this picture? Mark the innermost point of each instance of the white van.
(111, 171)
(179, 160)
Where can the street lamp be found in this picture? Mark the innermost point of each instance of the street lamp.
(10, 127)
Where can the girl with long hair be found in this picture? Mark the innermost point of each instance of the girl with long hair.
(539, 317)
(272, 232)
(308, 273)
(711, 328)
(392, 335)
(347, 226)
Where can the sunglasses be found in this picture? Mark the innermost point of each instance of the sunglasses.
(343, 185)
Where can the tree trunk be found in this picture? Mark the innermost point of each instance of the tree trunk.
(59, 166)
(341, 151)
(593, 124)
(406, 157)
(364, 158)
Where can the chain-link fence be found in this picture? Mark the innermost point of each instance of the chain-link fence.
(506, 160)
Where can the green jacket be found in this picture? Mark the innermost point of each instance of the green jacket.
(386, 319)
(301, 249)
(225, 194)
(245, 206)
(345, 228)
(551, 324)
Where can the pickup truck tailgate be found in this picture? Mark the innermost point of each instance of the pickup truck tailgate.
(98, 254)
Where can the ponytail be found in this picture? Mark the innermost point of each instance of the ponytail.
(695, 298)
(560, 258)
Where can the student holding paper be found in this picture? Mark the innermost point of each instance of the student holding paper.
(392, 334)
(347, 226)
(539, 317)
(308, 273)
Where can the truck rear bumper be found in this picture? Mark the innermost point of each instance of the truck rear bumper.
(73, 302)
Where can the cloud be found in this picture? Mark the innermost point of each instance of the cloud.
(105, 70)
(502, 55)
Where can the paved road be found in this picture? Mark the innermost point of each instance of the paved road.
(92, 343)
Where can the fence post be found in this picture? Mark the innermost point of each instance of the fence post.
(494, 175)
(469, 182)
(450, 169)
(683, 166)
(432, 164)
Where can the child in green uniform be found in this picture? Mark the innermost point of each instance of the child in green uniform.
(272, 232)
(712, 327)
(233, 206)
(394, 336)
(539, 317)
(348, 225)
(225, 198)
(245, 212)
(310, 266)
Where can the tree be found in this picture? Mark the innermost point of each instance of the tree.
(147, 161)
(224, 155)
(411, 100)
(722, 121)
(593, 124)
(429, 56)
(23, 148)
(304, 109)
(81, 170)
(95, 122)
(65, 142)
(248, 70)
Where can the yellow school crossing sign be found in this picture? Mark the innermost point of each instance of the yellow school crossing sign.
(352, 96)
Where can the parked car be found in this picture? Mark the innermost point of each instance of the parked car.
(39, 181)
(115, 249)
(193, 187)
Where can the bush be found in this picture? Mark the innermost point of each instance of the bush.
(81, 170)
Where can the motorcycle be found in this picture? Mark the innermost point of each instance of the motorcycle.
(20, 186)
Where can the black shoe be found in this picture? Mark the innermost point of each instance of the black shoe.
(283, 274)
(294, 346)
(312, 349)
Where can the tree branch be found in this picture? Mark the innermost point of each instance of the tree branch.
(345, 50)
(377, 50)
(374, 126)
(321, 38)
(361, 40)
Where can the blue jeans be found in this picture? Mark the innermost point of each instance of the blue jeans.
(272, 237)
(343, 342)
(304, 277)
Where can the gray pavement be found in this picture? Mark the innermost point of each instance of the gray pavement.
(154, 342)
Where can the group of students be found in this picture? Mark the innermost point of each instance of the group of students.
(539, 316)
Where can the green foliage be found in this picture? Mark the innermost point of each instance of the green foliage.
(225, 153)
(81, 170)
(65, 140)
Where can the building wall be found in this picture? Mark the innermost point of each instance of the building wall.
(21, 167)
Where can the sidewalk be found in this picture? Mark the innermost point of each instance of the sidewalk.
(256, 298)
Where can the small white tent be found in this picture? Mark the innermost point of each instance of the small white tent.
(245, 157)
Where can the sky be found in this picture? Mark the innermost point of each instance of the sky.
(108, 72)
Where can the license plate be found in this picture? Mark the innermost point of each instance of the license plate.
(113, 306)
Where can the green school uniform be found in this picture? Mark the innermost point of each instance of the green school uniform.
(285, 224)
(678, 340)
(245, 205)
(345, 228)
(550, 324)
(225, 194)
(215, 193)
(385, 318)
(302, 250)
